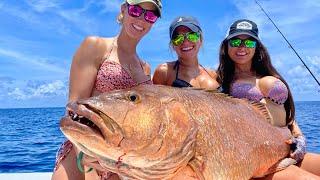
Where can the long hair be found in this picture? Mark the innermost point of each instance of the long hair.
(261, 64)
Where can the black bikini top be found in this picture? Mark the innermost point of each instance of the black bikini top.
(180, 82)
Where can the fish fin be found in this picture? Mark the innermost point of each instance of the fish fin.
(258, 105)
(279, 166)
(204, 89)
(262, 109)
(194, 88)
(212, 91)
(196, 165)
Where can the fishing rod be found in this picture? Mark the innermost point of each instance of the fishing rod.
(287, 42)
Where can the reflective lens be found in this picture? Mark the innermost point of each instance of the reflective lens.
(191, 36)
(248, 43)
(136, 11)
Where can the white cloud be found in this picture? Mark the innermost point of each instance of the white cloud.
(111, 5)
(56, 88)
(19, 13)
(18, 94)
(51, 88)
(42, 5)
(34, 61)
(77, 17)
(291, 20)
(298, 72)
(315, 61)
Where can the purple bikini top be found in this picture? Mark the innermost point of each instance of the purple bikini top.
(278, 93)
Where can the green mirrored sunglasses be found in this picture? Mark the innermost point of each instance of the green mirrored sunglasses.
(191, 36)
(248, 43)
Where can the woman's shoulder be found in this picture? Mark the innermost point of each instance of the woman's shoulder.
(163, 72)
(166, 66)
(96, 42)
(93, 48)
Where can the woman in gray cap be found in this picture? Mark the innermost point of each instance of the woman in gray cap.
(186, 39)
(245, 71)
(104, 64)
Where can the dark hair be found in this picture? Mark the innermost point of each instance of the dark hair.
(261, 64)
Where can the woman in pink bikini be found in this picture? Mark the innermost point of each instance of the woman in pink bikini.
(105, 64)
(245, 71)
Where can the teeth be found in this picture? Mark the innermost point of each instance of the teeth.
(137, 27)
(187, 48)
(74, 116)
(82, 120)
(241, 53)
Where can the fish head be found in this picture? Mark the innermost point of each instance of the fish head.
(135, 128)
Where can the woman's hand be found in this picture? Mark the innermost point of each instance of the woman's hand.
(92, 162)
(298, 146)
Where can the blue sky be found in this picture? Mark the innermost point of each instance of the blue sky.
(39, 37)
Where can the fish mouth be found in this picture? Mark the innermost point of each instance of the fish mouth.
(89, 121)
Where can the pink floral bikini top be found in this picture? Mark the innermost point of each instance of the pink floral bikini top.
(278, 93)
(112, 76)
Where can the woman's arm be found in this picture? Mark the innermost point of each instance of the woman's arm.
(84, 68)
(276, 94)
(298, 142)
(295, 129)
(83, 72)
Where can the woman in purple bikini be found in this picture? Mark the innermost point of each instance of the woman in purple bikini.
(245, 71)
(101, 65)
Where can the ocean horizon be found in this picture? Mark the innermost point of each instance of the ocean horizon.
(31, 136)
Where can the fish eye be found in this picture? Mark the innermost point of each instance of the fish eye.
(133, 97)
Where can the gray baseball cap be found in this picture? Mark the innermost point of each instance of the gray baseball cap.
(188, 21)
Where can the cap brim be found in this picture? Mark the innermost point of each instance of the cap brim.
(191, 26)
(242, 33)
(134, 2)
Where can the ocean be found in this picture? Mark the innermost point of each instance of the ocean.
(31, 137)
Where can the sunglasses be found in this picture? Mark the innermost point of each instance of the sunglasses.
(149, 15)
(191, 36)
(248, 43)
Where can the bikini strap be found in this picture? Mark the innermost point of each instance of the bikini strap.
(176, 66)
(140, 61)
(107, 55)
(206, 71)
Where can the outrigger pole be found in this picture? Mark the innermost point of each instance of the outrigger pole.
(287, 42)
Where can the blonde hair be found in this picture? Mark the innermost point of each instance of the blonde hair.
(120, 18)
(120, 15)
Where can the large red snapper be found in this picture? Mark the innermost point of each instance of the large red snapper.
(152, 132)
